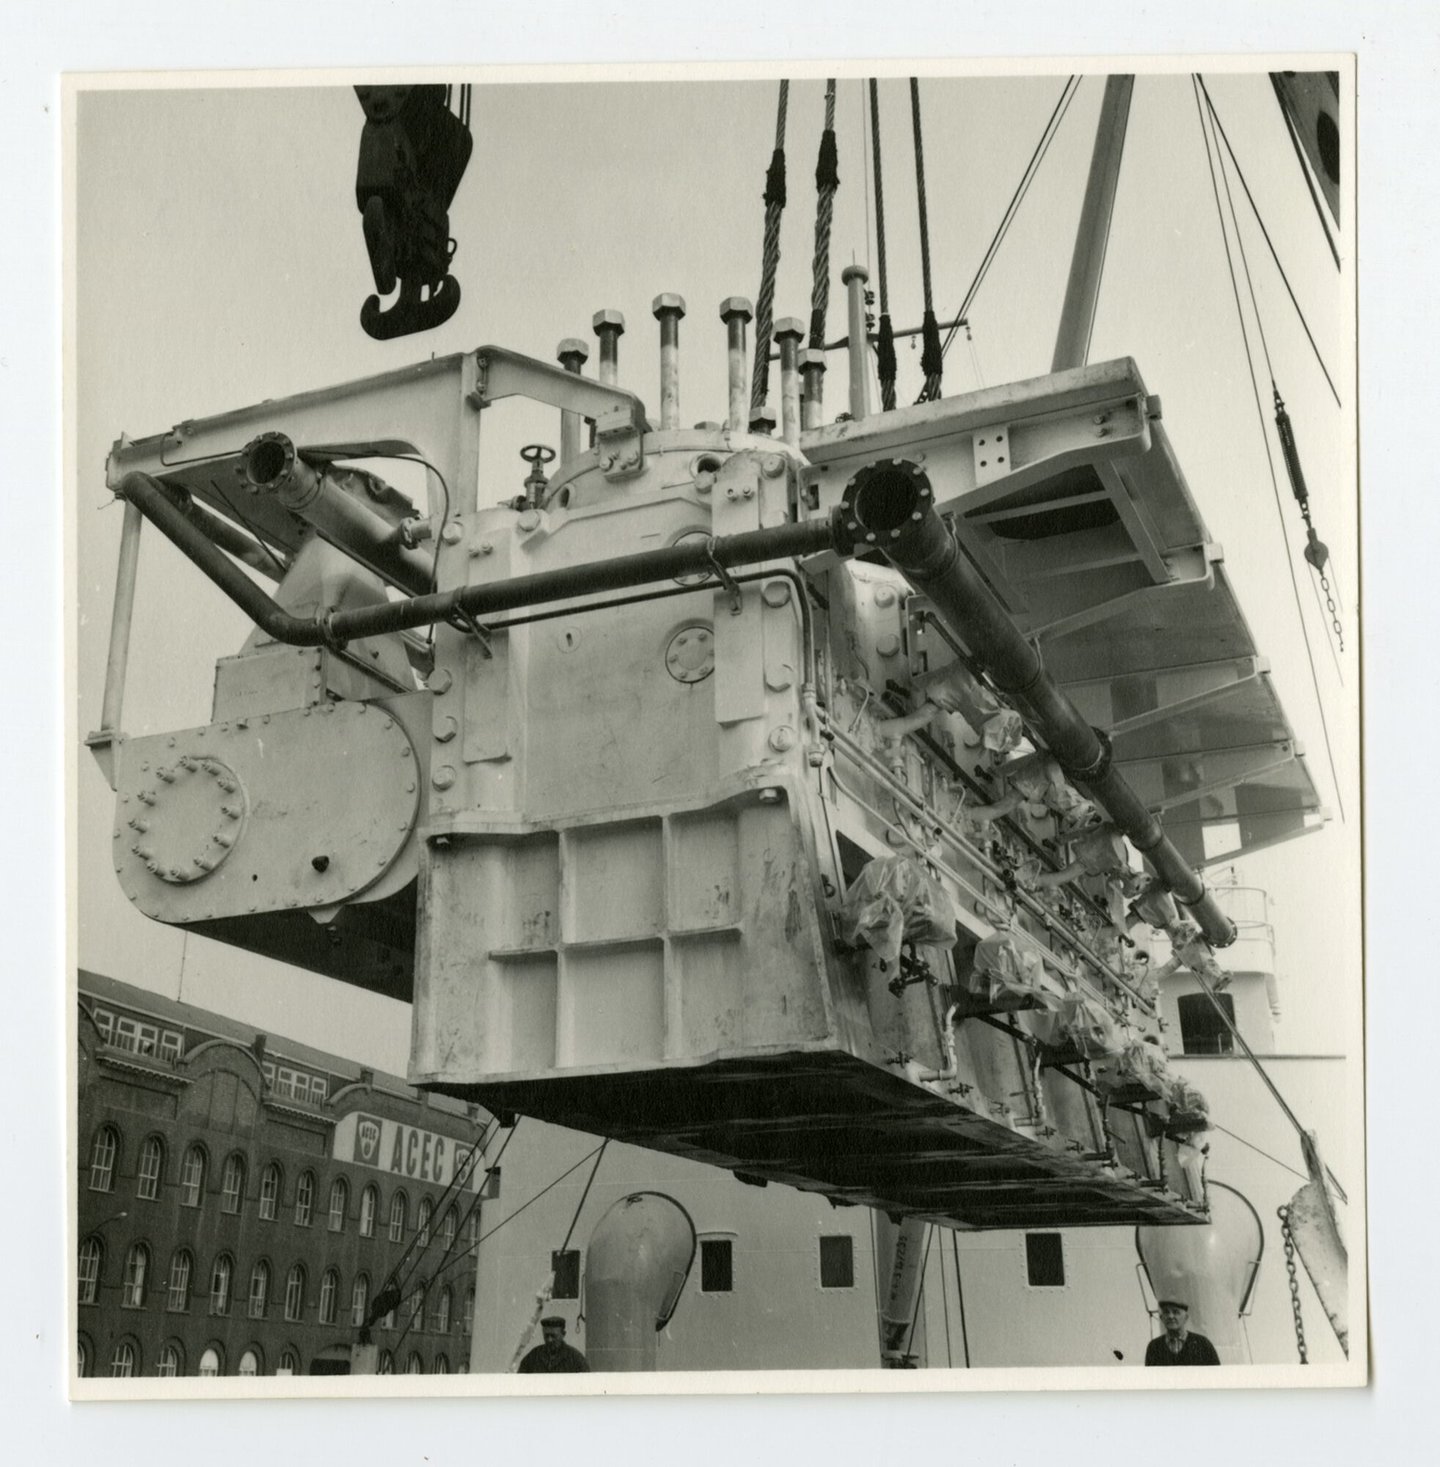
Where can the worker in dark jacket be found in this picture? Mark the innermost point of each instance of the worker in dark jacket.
(1178, 1346)
(554, 1357)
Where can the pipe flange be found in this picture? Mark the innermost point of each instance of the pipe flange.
(883, 498)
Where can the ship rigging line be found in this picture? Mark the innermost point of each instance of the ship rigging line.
(1057, 116)
(932, 358)
(465, 1252)
(1254, 208)
(1197, 86)
(886, 366)
(400, 1286)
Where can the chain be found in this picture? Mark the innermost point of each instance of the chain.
(1325, 587)
(1284, 1215)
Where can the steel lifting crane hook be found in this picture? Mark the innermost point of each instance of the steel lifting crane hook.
(413, 153)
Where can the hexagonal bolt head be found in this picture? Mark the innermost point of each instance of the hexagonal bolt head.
(572, 346)
(668, 304)
(788, 326)
(604, 321)
(763, 420)
(812, 357)
(736, 305)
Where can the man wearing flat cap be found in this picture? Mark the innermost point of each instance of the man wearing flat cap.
(554, 1357)
(1179, 1345)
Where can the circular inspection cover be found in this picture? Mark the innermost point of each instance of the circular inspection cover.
(690, 655)
(301, 809)
(195, 812)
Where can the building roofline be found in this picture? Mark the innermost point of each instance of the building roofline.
(351, 1073)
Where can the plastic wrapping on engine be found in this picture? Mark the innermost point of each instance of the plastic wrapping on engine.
(1007, 971)
(894, 900)
(1080, 1024)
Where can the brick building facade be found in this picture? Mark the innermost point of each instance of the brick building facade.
(244, 1200)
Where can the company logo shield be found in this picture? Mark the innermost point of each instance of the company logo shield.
(367, 1140)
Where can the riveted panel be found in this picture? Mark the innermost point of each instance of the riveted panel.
(212, 824)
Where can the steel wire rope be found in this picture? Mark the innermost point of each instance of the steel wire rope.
(920, 1292)
(1196, 87)
(504, 1221)
(932, 356)
(960, 1299)
(1255, 209)
(1047, 136)
(827, 181)
(770, 256)
(1259, 1151)
(886, 367)
(399, 1285)
(1282, 418)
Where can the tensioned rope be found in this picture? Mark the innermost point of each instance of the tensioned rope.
(886, 366)
(770, 256)
(1197, 86)
(1047, 136)
(1255, 209)
(1316, 554)
(932, 357)
(827, 180)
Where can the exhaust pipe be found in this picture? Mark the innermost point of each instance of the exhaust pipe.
(269, 464)
(890, 505)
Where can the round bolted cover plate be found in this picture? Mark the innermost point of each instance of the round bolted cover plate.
(324, 800)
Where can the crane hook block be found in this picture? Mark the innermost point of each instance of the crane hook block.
(413, 154)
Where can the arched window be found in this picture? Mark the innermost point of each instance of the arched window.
(422, 1221)
(259, 1289)
(249, 1362)
(414, 1365)
(152, 1167)
(441, 1366)
(369, 1207)
(440, 1312)
(210, 1361)
(339, 1202)
(125, 1362)
(386, 1365)
(170, 1361)
(289, 1363)
(103, 1150)
(359, 1299)
(295, 1293)
(467, 1311)
(181, 1267)
(192, 1176)
(472, 1228)
(232, 1182)
(304, 1199)
(270, 1184)
(221, 1277)
(132, 1287)
(452, 1226)
(397, 1218)
(329, 1289)
(82, 1356)
(87, 1276)
(417, 1308)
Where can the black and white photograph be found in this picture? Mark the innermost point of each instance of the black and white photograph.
(717, 730)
